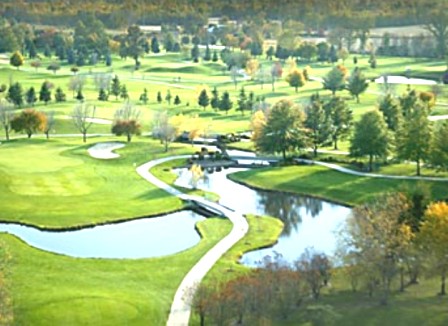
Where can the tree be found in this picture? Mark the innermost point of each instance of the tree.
(159, 97)
(79, 96)
(76, 84)
(257, 123)
(6, 115)
(59, 96)
(307, 50)
(203, 99)
(283, 130)
(340, 118)
(115, 88)
(370, 137)
(165, 128)
(334, 80)
(225, 103)
(433, 236)
(207, 55)
(45, 92)
(15, 95)
(357, 84)
(276, 72)
(215, 56)
(295, 79)
(439, 152)
(414, 136)
(144, 96)
(391, 111)
(155, 48)
(17, 59)
(30, 96)
(168, 97)
(36, 64)
(124, 92)
(82, 116)
(102, 95)
(54, 66)
(242, 101)
(215, 99)
(252, 68)
(50, 122)
(177, 100)
(29, 121)
(376, 240)
(316, 122)
(437, 25)
(135, 41)
(126, 121)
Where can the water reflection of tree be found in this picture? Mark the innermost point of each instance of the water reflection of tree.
(287, 208)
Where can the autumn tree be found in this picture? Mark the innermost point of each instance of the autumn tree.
(17, 59)
(29, 121)
(316, 122)
(340, 119)
(203, 99)
(295, 79)
(252, 67)
(283, 130)
(357, 84)
(434, 237)
(376, 239)
(166, 128)
(6, 115)
(276, 72)
(414, 136)
(126, 121)
(257, 123)
(370, 137)
(82, 117)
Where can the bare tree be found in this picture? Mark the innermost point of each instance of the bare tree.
(50, 123)
(102, 81)
(76, 84)
(6, 116)
(82, 116)
(164, 128)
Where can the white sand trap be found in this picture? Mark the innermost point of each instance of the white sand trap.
(103, 151)
(438, 117)
(93, 120)
(404, 81)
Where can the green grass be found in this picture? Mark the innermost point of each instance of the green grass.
(50, 289)
(325, 183)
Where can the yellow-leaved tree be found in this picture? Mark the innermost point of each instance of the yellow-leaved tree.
(433, 237)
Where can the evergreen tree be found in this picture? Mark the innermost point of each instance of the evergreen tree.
(15, 95)
(195, 53)
(115, 88)
(45, 92)
(242, 101)
(439, 152)
(215, 56)
(250, 102)
(370, 137)
(203, 99)
(176, 100)
(102, 95)
(225, 103)
(215, 99)
(168, 97)
(47, 51)
(108, 60)
(391, 112)
(159, 97)
(59, 96)
(32, 51)
(80, 60)
(79, 96)
(144, 96)
(155, 48)
(207, 55)
(70, 56)
(124, 92)
(30, 96)
(176, 47)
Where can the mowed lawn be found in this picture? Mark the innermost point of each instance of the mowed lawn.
(56, 184)
(328, 184)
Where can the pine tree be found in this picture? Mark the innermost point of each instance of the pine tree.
(102, 95)
(225, 104)
(207, 56)
(168, 97)
(144, 96)
(203, 99)
(115, 88)
(15, 94)
(45, 93)
(176, 100)
(30, 96)
(155, 45)
(215, 99)
(124, 92)
(59, 96)
(242, 101)
(215, 56)
(159, 97)
(357, 84)
(80, 96)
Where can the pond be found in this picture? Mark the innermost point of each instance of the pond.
(141, 238)
(308, 222)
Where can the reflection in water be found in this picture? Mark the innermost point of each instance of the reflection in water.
(287, 208)
(308, 222)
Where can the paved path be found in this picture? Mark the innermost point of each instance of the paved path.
(180, 308)
(104, 150)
